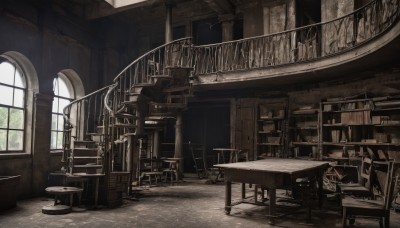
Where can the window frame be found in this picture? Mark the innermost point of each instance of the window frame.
(17, 68)
(71, 89)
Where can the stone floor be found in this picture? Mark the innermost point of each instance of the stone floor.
(192, 203)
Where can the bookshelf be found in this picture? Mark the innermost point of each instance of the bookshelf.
(271, 128)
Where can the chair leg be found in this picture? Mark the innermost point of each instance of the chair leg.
(344, 218)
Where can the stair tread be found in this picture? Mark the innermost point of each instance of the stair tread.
(85, 157)
(124, 125)
(85, 148)
(176, 89)
(161, 76)
(169, 105)
(88, 166)
(143, 84)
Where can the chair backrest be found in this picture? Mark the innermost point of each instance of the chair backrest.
(198, 154)
(366, 172)
(389, 183)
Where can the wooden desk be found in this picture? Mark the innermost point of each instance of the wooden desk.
(272, 173)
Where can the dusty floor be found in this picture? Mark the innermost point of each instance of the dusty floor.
(192, 203)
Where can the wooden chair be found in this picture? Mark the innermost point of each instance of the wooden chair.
(198, 158)
(365, 185)
(353, 207)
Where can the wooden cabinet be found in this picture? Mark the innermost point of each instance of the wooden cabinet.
(271, 129)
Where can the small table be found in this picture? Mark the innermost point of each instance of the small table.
(272, 173)
(59, 191)
(173, 167)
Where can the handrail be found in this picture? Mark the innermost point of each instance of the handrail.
(79, 100)
(87, 112)
(148, 53)
(143, 70)
(300, 44)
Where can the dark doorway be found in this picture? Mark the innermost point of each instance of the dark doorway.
(308, 12)
(207, 124)
(207, 31)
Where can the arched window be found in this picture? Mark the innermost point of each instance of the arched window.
(12, 107)
(63, 95)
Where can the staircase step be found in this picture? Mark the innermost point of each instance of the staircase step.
(125, 115)
(168, 105)
(176, 89)
(84, 144)
(143, 85)
(86, 157)
(161, 76)
(124, 125)
(88, 166)
(84, 152)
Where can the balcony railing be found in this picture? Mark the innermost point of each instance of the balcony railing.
(298, 45)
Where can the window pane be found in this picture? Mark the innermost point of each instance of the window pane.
(19, 80)
(55, 105)
(59, 140)
(63, 103)
(60, 123)
(53, 144)
(3, 117)
(7, 73)
(54, 122)
(3, 140)
(15, 140)
(18, 98)
(6, 95)
(16, 119)
(63, 89)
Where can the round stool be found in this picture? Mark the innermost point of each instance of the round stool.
(59, 191)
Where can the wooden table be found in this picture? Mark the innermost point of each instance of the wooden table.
(272, 173)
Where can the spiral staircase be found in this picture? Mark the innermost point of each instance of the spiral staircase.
(102, 128)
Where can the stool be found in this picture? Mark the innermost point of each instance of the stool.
(171, 171)
(157, 175)
(59, 191)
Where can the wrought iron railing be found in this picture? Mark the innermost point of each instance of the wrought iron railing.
(146, 69)
(300, 44)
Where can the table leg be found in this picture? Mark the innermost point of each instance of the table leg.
(243, 190)
(96, 194)
(272, 202)
(71, 197)
(320, 188)
(228, 197)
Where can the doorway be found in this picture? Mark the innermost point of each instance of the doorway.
(208, 124)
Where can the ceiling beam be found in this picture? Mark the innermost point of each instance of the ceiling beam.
(221, 6)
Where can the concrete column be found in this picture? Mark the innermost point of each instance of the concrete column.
(41, 141)
(168, 22)
(227, 21)
(179, 141)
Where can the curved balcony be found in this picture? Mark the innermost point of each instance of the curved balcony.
(366, 37)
